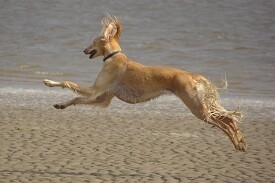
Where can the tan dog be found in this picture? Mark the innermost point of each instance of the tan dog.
(133, 83)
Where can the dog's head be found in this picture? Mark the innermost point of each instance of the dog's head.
(108, 42)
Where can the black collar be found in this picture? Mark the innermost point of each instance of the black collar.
(109, 56)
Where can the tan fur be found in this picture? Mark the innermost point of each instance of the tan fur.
(133, 83)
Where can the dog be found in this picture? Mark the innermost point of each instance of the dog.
(134, 83)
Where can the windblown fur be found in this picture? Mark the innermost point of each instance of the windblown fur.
(212, 102)
(107, 20)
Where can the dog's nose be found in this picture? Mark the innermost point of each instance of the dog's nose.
(87, 51)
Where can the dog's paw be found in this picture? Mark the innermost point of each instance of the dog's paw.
(50, 83)
(59, 106)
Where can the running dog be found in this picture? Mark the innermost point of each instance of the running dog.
(133, 83)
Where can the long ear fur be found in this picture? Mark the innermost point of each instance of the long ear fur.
(111, 27)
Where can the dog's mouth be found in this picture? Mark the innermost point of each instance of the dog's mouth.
(92, 53)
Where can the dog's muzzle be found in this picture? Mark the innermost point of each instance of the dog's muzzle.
(91, 53)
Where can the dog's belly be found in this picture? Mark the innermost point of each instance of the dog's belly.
(136, 95)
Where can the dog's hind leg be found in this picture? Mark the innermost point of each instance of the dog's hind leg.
(217, 115)
(85, 91)
(201, 97)
(229, 126)
(101, 101)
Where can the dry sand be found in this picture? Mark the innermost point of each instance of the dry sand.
(125, 143)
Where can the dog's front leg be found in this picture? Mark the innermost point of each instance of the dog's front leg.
(77, 100)
(51, 83)
(85, 91)
(102, 101)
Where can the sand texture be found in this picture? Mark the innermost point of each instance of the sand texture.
(125, 143)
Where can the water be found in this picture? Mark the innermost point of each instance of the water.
(46, 39)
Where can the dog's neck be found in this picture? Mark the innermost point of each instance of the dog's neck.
(111, 48)
(110, 55)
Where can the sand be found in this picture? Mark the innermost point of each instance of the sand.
(147, 143)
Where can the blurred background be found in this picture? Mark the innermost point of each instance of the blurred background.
(46, 39)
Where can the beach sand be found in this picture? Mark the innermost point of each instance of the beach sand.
(125, 143)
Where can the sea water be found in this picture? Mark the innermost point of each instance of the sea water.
(232, 39)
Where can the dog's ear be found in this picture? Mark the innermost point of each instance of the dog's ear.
(110, 31)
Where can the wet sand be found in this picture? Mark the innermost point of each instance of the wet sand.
(124, 143)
